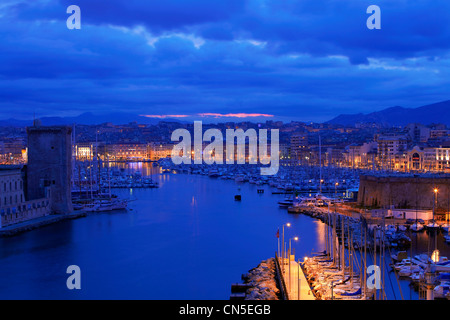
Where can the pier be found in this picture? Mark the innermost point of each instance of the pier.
(293, 280)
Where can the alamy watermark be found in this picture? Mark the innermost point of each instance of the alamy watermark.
(182, 152)
(374, 280)
(74, 280)
(74, 20)
(374, 21)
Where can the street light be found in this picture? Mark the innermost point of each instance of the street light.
(282, 249)
(289, 260)
(435, 204)
(335, 190)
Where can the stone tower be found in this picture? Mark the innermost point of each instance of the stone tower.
(50, 165)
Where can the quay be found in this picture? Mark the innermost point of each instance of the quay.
(14, 229)
(293, 280)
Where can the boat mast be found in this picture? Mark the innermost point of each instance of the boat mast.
(320, 164)
(342, 248)
(73, 155)
(109, 178)
(375, 252)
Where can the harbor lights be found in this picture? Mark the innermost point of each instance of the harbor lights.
(435, 256)
(335, 190)
(289, 261)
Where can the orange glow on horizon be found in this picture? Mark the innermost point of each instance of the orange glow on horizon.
(235, 115)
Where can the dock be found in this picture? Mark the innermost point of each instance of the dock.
(294, 280)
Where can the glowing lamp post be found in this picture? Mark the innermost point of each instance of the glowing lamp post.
(435, 205)
(335, 190)
(289, 261)
(282, 249)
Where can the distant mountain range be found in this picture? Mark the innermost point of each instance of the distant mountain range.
(87, 118)
(400, 116)
(394, 116)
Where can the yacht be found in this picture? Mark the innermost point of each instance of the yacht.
(213, 173)
(286, 202)
(441, 290)
(416, 227)
(408, 270)
(404, 263)
(432, 225)
(105, 205)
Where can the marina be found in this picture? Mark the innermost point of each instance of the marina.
(191, 236)
(356, 233)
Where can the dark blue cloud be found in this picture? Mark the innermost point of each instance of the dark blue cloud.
(307, 59)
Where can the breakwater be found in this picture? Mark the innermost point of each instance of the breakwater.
(260, 283)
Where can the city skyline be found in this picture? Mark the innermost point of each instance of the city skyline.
(303, 61)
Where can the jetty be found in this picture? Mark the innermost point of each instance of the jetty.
(292, 280)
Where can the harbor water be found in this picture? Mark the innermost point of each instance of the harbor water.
(187, 239)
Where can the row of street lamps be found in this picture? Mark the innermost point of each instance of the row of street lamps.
(288, 254)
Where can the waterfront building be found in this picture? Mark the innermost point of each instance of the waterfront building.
(425, 159)
(443, 159)
(418, 132)
(361, 155)
(285, 151)
(14, 207)
(13, 151)
(160, 150)
(132, 151)
(84, 151)
(388, 148)
(299, 147)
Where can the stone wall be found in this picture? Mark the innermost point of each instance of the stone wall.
(404, 192)
(24, 211)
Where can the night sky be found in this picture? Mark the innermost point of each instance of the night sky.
(306, 60)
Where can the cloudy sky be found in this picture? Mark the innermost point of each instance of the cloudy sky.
(304, 60)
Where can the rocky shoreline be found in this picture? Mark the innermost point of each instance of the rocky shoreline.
(262, 282)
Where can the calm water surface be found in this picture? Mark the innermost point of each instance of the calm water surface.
(188, 239)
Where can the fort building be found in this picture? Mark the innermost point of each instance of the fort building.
(50, 166)
(422, 192)
(43, 186)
